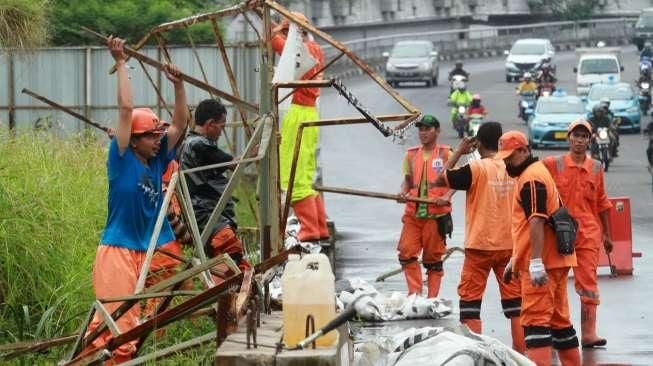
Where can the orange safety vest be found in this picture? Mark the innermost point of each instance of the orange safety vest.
(435, 165)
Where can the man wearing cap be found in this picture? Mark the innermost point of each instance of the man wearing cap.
(536, 262)
(139, 153)
(425, 225)
(206, 187)
(306, 202)
(488, 209)
(579, 179)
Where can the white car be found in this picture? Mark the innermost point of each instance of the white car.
(526, 55)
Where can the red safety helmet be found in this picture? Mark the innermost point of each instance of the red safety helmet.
(145, 121)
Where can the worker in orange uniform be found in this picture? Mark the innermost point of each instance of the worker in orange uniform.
(487, 225)
(536, 261)
(579, 179)
(139, 153)
(306, 202)
(425, 225)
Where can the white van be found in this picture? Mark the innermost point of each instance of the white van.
(597, 65)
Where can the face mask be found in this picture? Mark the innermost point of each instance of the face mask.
(515, 171)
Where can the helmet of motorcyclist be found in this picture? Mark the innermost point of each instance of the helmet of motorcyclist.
(598, 110)
(528, 76)
(476, 100)
(600, 44)
(605, 102)
(647, 46)
(459, 64)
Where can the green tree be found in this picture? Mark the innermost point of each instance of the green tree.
(566, 9)
(23, 23)
(129, 19)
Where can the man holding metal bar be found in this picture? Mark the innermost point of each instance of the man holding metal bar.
(425, 225)
(206, 187)
(306, 202)
(139, 153)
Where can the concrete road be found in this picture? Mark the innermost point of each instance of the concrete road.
(360, 157)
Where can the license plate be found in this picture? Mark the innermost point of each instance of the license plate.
(560, 135)
(407, 74)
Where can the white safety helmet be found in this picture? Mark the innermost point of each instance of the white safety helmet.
(600, 44)
(527, 75)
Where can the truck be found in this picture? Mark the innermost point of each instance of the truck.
(643, 28)
(597, 65)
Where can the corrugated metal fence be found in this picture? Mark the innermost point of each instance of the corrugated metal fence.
(77, 77)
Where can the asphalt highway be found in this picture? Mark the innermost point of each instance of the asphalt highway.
(360, 157)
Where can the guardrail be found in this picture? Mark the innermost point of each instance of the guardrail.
(489, 41)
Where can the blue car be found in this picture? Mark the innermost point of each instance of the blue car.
(553, 114)
(624, 103)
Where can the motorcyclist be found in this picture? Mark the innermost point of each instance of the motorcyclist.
(605, 104)
(458, 70)
(476, 107)
(525, 86)
(599, 118)
(545, 76)
(644, 73)
(647, 52)
(460, 96)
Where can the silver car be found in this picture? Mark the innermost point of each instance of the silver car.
(412, 61)
(526, 55)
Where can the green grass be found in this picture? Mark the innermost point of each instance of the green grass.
(52, 213)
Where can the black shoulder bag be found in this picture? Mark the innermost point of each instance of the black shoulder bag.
(565, 228)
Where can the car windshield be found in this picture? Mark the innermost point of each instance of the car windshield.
(522, 48)
(599, 66)
(403, 50)
(617, 93)
(645, 21)
(560, 106)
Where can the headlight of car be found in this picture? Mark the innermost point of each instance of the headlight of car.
(633, 109)
(389, 67)
(425, 66)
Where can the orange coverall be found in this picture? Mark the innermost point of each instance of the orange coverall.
(545, 309)
(420, 227)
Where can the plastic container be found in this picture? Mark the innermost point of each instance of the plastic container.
(308, 288)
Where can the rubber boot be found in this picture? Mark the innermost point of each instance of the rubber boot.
(307, 214)
(589, 339)
(475, 325)
(540, 355)
(434, 278)
(413, 273)
(569, 357)
(518, 342)
(321, 218)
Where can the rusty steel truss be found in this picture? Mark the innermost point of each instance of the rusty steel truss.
(239, 293)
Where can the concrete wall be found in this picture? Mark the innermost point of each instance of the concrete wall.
(329, 13)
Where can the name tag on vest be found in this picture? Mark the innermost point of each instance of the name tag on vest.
(437, 165)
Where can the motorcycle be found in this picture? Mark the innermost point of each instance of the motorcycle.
(546, 88)
(475, 121)
(527, 105)
(645, 96)
(603, 146)
(460, 121)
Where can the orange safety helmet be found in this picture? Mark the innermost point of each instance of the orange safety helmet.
(145, 121)
(285, 24)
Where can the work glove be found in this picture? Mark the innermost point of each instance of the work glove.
(507, 272)
(538, 272)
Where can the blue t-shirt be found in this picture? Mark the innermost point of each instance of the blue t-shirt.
(135, 198)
